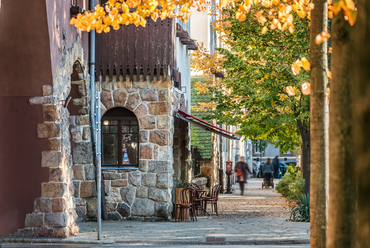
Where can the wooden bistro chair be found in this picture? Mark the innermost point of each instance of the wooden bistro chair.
(186, 205)
(212, 199)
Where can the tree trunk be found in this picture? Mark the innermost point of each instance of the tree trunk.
(319, 125)
(305, 162)
(361, 114)
(342, 185)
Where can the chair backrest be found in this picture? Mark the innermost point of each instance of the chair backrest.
(215, 191)
(187, 195)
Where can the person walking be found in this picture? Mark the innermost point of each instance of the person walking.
(268, 170)
(241, 169)
(275, 163)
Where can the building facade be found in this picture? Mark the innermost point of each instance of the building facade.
(48, 145)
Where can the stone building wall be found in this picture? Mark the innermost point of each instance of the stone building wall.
(54, 212)
(144, 193)
(71, 192)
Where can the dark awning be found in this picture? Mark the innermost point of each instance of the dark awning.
(206, 126)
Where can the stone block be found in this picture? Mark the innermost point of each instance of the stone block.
(140, 84)
(82, 90)
(149, 179)
(78, 172)
(88, 189)
(55, 144)
(160, 195)
(120, 97)
(51, 159)
(164, 181)
(142, 207)
(163, 122)
(58, 205)
(76, 189)
(91, 207)
(128, 194)
(144, 136)
(79, 101)
(89, 172)
(44, 232)
(84, 111)
(163, 153)
(162, 84)
(142, 192)
(115, 216)
(157, 166)
(86, 133)
(160, 137)
(83, 120)
(147, 122)
(119, 183)
(51, 189)
(56, 175)
(149, 94)
(143, 165)
(48, 130)
(40, 100)
(164, 95)
(82, 153)
(133, 101)
(34, 220)
(81, 211)
(159, 108)
(56, 219)
(76, 134)
(42, 205)
(111, 175)
(107, 187)
(134, 178)
(163, 209)
(141, 111)
(47, 90)
(106, 99)
(146, 151)
(51, 113)
(125, 84)
(25, 232)
(123, 209)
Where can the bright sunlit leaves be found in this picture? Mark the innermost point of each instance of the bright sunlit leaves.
(290, 90)
(306, 88)
(322, 37)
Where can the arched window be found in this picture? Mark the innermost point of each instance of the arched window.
(120, 138)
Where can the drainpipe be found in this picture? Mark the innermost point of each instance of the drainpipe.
(95, 122)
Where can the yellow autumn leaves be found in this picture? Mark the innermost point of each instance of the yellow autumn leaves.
(296, 68)
(124, 12)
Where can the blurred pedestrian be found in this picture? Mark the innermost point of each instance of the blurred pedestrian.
(275, 163)
(268, 170)
(241, 169)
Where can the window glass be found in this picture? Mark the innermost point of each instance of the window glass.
(110, 149)
(120, 143)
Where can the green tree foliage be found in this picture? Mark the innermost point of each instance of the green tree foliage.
(258, 70)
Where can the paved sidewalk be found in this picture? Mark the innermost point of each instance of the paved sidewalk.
(259, 217)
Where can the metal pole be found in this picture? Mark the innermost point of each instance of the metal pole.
(95, 121)
(98, 160)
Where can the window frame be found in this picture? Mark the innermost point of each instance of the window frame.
(120, 135)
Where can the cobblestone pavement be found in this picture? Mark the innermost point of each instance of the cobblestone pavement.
(259, 217)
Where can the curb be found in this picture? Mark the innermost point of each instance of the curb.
(48, 240)
(207, 242)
